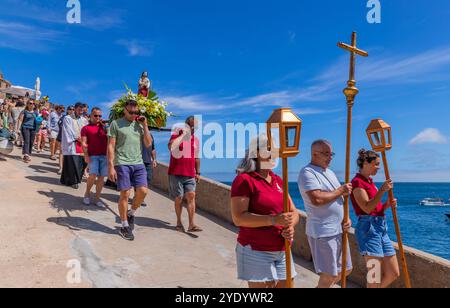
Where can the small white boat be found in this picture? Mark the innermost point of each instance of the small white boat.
(433, 202)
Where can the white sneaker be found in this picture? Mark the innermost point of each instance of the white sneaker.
(86, 201)
(101, 205)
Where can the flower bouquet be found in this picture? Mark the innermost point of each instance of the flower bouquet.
(151, 108)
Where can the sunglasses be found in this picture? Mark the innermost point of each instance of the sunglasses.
(97, 116)
(70, 109)
(133, 112)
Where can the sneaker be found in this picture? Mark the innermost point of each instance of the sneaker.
(86, 201)
(126, 233)
(130, 219)
(101, 205)
(76, 186)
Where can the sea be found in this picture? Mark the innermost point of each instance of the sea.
(424, 228)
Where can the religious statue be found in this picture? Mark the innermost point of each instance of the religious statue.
(145, 85)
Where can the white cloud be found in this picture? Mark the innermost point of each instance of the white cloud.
(430, 135)
(194, 103)
(101, 17)
(136, 48)
(79, 89)
(292, 36)
(24, 37)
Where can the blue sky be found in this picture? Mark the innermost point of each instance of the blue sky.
(237, 60)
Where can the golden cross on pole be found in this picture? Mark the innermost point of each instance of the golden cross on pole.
(350, 93)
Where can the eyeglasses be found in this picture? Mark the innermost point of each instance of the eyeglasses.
(70, 109)
(97, 116)
(327, 154)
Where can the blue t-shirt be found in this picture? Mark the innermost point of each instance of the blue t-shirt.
(53, 121)
(326, 220)
(147, 152)
(29, 119)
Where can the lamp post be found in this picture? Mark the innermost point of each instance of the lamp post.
(380, 137)
(350, 93)
(286, 126)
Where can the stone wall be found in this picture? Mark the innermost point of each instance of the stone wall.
(426, 270)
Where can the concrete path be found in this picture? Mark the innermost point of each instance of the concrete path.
(44, 226)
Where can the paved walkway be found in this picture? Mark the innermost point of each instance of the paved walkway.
(44, 225)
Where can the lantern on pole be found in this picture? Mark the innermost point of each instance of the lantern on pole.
(286, 126)
(380, 137)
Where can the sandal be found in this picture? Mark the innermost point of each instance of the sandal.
(180, 228)
(195, 229)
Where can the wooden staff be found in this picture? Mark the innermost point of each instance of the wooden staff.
(350, 92)
(397, 225)
(287, 210)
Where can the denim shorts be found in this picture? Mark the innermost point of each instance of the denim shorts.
(130, 176)
(98, 166)
(372, 236)
(181, 185)
(261, 266)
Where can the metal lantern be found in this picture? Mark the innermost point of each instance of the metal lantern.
(380, 136)
(285, 125)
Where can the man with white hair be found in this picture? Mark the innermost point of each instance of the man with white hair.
(323, 195)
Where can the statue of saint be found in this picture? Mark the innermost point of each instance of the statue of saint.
(145, 85)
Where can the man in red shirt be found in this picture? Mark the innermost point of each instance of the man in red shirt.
(184, 171)
(94, 139)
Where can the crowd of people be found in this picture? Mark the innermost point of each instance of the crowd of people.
(123, 151)
(91, 149)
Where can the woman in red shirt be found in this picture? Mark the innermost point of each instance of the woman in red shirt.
(257, 208)
(372, 231)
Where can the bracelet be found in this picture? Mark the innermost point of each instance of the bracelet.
(273, 221)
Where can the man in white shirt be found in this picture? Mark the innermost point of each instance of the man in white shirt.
(323, 195)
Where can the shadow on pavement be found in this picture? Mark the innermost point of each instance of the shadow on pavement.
(50, 164)
(16, 157)
(44, 179)
(63, 202)
(43, 169)
(79, 223)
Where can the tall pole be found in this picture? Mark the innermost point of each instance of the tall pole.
(350, 93)
(287, 210)
(397, 225)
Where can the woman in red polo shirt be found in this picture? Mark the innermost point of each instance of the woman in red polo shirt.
(257, 208)
(372, 231)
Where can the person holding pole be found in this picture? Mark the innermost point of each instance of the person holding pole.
(323, 195)
(372, 230)
(257, 209)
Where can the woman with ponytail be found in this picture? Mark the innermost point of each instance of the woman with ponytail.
(371, 231)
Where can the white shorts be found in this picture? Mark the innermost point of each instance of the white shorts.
(53, 135)
(327, 255)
